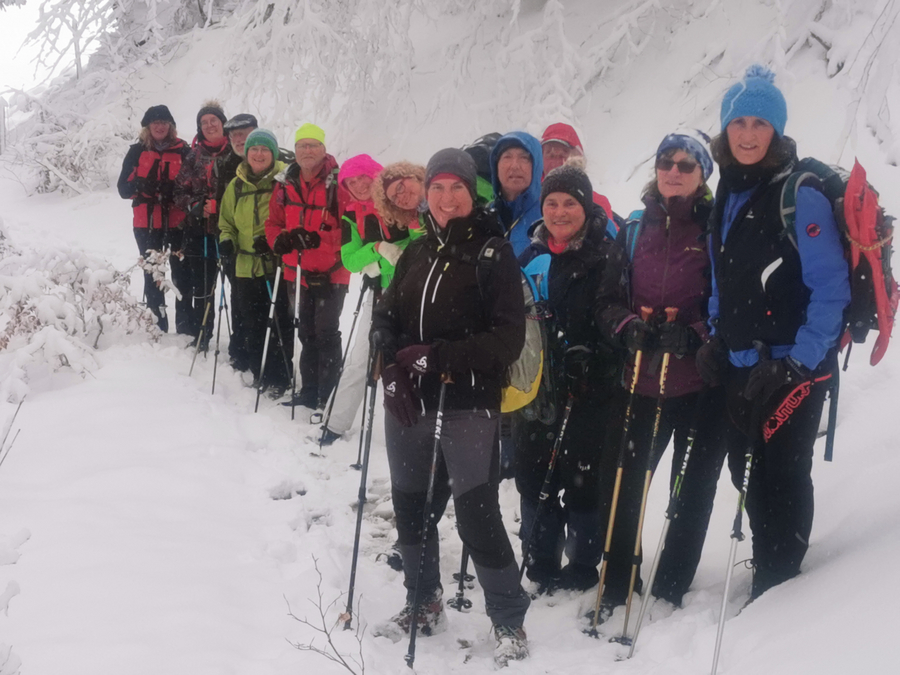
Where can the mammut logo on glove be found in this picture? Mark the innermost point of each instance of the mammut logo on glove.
(786, 409)
(391, 389)
(422, 363)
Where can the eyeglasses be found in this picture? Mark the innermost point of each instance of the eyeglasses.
(684, 166)
(399, 190)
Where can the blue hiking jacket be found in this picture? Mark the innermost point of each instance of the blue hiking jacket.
(824, 271)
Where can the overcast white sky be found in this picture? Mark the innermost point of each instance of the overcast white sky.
(15, 23)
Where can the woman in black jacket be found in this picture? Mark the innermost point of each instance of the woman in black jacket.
(453, 311)
(571, 238)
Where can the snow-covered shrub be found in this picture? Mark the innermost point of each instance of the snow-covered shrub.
(57, 307)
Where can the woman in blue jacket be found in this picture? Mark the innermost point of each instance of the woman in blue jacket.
(776, 312)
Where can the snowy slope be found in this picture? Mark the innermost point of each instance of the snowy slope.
(148, 526)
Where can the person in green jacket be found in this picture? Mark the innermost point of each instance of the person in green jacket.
(369, 246)
(242, 216)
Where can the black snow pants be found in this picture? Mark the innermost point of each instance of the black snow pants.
(468, 468)
(201, 258)
(320, 338)
(780, 500)
(252, 304)
(574, 524)
(687, 531)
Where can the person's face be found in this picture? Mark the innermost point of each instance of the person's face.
(310, 154)
(449, 198)
(672, 179)
(555, 155)
(360, 187)
(514, 171)
(749, 138)
(237, 138)
(211, 126)
(259, 157)
(159, 130)
(563, 215)
(406, 193)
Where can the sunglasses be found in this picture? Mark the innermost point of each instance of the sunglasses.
(684, 166)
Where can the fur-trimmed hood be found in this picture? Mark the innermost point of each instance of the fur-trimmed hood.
(390, 214)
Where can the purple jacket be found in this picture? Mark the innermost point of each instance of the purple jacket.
(669, 267)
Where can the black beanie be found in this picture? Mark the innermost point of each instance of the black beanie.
(211, 109)
(157, 113)
(573, 181)
(452, 161)
(241, 121)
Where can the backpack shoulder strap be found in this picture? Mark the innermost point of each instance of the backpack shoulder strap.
(810, 172)
(632, 232)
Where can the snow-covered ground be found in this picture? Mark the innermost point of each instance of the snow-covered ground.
(147, 525)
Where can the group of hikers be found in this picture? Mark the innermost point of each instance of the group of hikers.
(694, 319)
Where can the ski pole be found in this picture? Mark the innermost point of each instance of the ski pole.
(671, 510)
(200, 336)
(337, 385)
(297, 285)
(373, 373)
(222, 305)
(737, 534)
(262, 365)
(545, 488)
(671, 313)
(620, 461)
(460, 602)
(426, 519)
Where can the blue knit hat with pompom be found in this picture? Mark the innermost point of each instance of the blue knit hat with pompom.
(756, 95)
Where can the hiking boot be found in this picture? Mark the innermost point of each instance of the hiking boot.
(576, 577)
(275, 391)
(431, 619)
(512, 645)
(606, 611)
(545, 573)
(308, 399)
(327, 438)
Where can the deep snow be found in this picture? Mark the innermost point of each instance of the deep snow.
(148, 526)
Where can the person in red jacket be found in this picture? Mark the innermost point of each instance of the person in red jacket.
(303, 228)
(560, 142)
(148, 180)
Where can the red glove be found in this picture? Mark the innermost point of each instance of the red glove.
(417, 359)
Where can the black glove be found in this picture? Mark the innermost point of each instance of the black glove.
(400, 399)
(260, 245)
(577, 362)
(678, 339)
(226, 248)
(283, 243)
(769, 375)
(305, 239)
(711, 360)
(638, 335)
(139, 185)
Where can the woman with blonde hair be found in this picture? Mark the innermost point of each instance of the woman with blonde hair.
(148, 180)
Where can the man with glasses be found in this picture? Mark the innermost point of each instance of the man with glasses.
(303, 229)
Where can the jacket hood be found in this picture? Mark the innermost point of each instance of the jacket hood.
(360, 165)
(390, 214)
(520, 139)
(562, 133)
